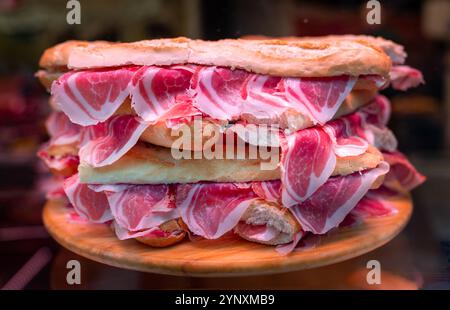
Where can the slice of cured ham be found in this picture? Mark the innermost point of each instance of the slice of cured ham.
(307, 162)
(321, 97)
(88, 203)
(218, 92)
(61, 130)
(140, 207)
(268, 190)
(212, 209)
(156, 92)
(402, 171)
(330, 204)
(405, 77)
(106, 142)
(92, 96)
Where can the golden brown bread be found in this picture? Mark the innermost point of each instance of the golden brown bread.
(149, 164)
(306, 58)
(395, 51)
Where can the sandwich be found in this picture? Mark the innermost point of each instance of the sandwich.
(269, 139)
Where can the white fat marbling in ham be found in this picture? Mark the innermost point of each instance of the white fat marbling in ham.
(217, 92)
(307, 161)
(212, 209)
(161, 93)
(331, 203)
(92, 96)
(268, 190)
(320, 97)
(106, 142)
(88, 204)
(140, 207)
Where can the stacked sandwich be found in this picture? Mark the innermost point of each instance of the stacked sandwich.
(296, 128)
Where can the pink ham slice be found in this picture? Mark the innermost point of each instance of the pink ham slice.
(307, 161)
(218, 91)
(139, 208)
(402, 171)
(264, 100)
(347, 135)
(90, 97)
(268, 190)
(318, 97)
(61, 130)
(405, 77)
(156, 92)
(262, 233)
(372, 205)
(106, 142)
(88, 203)
(330, 204)
(212, 209)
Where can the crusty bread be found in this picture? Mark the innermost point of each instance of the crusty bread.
(306, 58)
(395, 51)
(149, 164)
(262, 212)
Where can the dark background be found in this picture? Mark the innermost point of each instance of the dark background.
(420, 120)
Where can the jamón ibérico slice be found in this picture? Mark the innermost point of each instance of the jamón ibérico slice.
(106, 142)
(402, 171)
(348, 135)
(405, 77)
(284, 249)
(331, 203)
(321, 97)
(307, 161)
(92, 96)
(61, 130)
(157, 90)
(268, 190)
(264, 100)
(218, 92)
(263, 233)
(372, 205)
(212, 209)
(141, 207)
(377, 112)
(88, 204)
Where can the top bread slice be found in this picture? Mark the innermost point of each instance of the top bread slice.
(310, 57)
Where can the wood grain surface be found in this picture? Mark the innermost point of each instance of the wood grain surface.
(228, 256)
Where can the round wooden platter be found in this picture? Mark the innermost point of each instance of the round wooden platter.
(228, 256)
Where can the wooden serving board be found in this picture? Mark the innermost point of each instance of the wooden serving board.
(228, 256)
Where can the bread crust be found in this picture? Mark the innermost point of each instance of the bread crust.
(395, 51)
(306, 58)
(149, 164)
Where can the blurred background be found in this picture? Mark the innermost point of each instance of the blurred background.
(421, 121)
